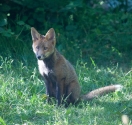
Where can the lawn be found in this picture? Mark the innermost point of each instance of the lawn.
(22, 91)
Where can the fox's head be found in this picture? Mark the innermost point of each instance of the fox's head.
(43, 45)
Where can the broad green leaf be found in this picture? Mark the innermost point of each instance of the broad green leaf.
(20, 23)
(3, 22)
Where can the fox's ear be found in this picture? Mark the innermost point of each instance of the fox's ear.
(35, 35)
(50, 35)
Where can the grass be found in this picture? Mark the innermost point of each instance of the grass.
(22, 99)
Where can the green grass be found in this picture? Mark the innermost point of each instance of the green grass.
(22, 100)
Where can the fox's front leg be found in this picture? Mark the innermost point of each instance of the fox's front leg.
(48, 86)
(58, 94)
(58, 87)
(60, 91)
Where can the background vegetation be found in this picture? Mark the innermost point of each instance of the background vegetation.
(95, 35)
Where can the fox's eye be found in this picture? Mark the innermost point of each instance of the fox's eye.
(45, 48)
(37, 47)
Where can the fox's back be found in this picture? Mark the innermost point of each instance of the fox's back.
(64, 69)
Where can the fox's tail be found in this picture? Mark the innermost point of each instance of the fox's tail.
(101, 91)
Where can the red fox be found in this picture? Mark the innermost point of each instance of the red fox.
(59, 75)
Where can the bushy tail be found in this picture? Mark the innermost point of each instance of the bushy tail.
(101, 91)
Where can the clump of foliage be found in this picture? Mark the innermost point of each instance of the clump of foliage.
(87, 26)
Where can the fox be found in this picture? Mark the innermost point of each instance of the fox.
(58, 73)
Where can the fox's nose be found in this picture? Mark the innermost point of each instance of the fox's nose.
(39, 57)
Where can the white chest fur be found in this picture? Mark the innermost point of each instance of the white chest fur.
(42, 68)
